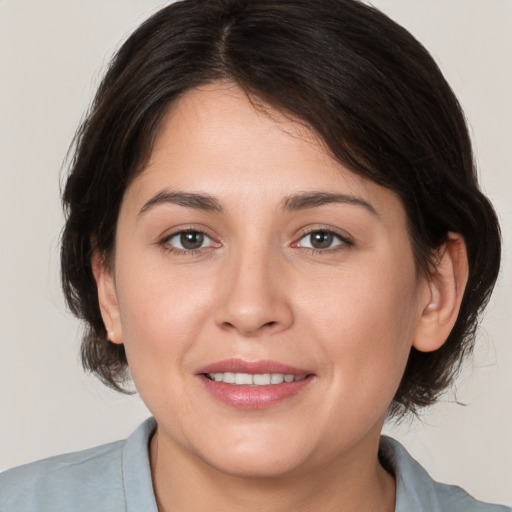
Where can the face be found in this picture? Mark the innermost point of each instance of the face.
(246, 253)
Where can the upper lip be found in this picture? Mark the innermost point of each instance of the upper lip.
(255, 367)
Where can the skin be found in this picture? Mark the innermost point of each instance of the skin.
(255, 289)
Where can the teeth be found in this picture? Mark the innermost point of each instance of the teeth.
(243, 378)
(228, 377)
(277, 378)
(261, 379)
(249, 379)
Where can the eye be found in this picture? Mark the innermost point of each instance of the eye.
(322, 239)
(188, 240)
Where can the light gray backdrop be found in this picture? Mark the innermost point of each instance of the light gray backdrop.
(52, 55)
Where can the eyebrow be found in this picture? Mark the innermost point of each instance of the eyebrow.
(295, 202)
(305, 200)
(197, 201)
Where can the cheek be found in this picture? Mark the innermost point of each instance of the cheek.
(366, 322)
(161, 314)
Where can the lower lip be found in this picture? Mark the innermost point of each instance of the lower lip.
(254, 397)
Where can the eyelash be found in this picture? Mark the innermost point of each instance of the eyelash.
(186, 252)
(344, 242)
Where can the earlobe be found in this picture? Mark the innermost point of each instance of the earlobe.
(107, 298)
(446, 285)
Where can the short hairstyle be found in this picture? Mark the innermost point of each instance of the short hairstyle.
(359, 80)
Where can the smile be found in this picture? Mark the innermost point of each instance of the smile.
(242, 384)
(257, 379)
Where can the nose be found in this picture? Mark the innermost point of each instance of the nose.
(254, 296)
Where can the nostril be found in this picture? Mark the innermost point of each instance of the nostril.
(249, 329)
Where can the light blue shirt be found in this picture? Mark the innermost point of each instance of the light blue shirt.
(116, 478)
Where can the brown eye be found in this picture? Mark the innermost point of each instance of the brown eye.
(322, 239)
(191, 240)
(188, 240)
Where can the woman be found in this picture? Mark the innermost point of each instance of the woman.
(275, 225)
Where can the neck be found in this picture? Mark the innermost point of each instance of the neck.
(184, 483)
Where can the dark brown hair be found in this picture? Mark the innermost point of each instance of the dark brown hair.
(363, 83)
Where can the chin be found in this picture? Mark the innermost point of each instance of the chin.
(259, 466)
(258, 459)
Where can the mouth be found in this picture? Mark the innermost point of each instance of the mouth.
(256, 379)
(253, 385)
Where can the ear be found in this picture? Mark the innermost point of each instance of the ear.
(445, 288)
(107, 298)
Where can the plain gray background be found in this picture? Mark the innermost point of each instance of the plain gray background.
(53, 53)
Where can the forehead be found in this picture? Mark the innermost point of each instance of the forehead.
(218, 140)
(222, 122)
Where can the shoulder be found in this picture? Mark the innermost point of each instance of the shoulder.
(87, 478)
(417, 491)
(114, 477)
